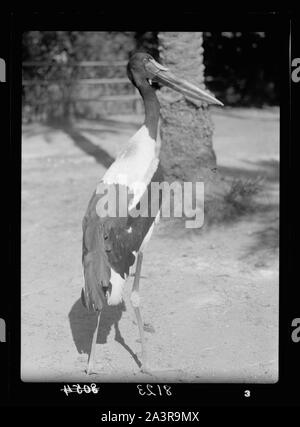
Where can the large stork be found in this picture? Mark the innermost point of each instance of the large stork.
(113, 244)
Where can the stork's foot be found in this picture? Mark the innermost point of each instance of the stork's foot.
(93, 368)
(90, 369)
(146, 369)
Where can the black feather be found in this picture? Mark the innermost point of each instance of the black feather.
(108, 245)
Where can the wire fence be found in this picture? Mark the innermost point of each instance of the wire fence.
(63, 90)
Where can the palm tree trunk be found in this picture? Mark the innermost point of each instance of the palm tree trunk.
(186, 128)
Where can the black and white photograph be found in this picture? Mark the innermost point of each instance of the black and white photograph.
(150, 206)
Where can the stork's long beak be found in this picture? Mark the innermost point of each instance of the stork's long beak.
(163, 75)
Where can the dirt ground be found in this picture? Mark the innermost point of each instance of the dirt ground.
(209, 297)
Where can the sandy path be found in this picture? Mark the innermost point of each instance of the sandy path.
(210, 299)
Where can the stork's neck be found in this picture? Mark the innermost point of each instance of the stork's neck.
(152, 108)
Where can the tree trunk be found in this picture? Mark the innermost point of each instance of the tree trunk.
(186, 128)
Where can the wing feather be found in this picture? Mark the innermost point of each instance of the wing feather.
(110, 243)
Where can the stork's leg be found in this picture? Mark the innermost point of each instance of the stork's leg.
(90, 367)
(135, 301)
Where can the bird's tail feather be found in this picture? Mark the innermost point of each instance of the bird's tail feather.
(92, 295)
(96, 269)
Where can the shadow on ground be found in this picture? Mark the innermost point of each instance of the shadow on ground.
(111, 124)
(266, 169)
(83, 324)
(243, 114)
(75, 133)
(100, 155)
(266, 238)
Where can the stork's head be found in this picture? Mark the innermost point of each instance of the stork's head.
(142, 70)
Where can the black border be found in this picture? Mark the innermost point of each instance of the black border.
(286, 391)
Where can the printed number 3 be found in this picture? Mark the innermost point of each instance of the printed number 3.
(247, 393)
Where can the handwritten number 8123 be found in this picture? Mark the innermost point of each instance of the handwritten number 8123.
(154, 390)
